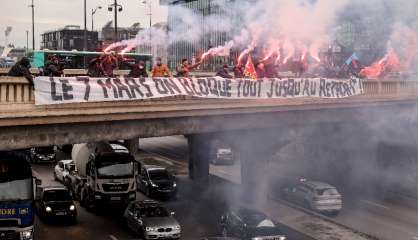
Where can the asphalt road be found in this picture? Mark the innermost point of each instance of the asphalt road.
(198, 209)
(391, 216)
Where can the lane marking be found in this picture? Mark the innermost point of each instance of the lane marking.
(113, 237)
(375, 204)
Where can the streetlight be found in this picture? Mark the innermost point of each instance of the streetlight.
(117, 8)
(150, 11)
(27, 42)
(33, 24)
(150, 21)
(93, 11)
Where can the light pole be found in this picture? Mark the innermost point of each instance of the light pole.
(117, 8)
(150, 21)
(27, 42)
(93, 11)
(85, 28)
(33, 25)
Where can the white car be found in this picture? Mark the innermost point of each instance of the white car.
(62, 169)
(314, 195)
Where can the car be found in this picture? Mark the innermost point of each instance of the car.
(314, 195)
(151, 220)
(62, 169)
(156, 180)
(56, 201)
(43, 154)
(249, 224)
(220, 238)
(223, 156)
(118, 147)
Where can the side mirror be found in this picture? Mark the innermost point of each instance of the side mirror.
(38, 182)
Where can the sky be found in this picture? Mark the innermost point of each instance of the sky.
(55, 14)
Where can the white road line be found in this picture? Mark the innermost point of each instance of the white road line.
(113, 237)
(375, 204)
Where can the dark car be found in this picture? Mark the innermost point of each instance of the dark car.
(155, 180)
(151, 220)
(249, 225)
(56, 202)
(43, 154)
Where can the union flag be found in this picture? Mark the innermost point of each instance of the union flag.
(249, 70)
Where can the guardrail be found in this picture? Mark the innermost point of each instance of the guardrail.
(16, 90)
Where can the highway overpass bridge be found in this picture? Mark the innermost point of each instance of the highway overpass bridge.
(23, 124)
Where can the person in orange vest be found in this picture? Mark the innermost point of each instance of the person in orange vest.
(160, 69)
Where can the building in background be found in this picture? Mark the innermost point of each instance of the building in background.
(193, 49)
(107, 35)
(69, 38)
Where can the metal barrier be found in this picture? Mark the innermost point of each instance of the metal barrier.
(16, 90)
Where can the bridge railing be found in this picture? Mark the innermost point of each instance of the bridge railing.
(16, 90)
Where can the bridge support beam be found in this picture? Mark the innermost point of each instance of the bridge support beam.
(199, 154)
(132, 145)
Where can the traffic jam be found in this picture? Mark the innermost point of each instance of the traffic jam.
(104, 175)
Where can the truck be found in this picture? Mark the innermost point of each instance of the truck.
(17, 197)
(104, 177)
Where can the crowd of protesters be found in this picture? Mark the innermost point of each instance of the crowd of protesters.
(105, 64)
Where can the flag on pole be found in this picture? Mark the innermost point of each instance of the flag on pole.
(352, 58)
(249, 70)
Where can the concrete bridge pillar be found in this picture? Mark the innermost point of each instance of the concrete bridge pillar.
(199, 154)
(132, 145)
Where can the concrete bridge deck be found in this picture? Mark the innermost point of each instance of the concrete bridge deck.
(20, 119)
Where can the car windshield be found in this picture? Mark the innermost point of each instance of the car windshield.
(70, 167)
(154, 212)
(327, 192)
(159, 174)
(57, 195)
(44, 150)
(116, 170)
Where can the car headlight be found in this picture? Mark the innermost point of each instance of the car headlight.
(72, 208)
(132, 195)
(48, 209)
(97, 197)
(282, 238)
(153, 184)
(174, 184)
(177, 227)
(151, 229)
(26, 235)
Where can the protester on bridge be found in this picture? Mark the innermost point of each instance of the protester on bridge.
(238, 71)
(184, 69)
(138, 70)
(260, 70)
(108, 64)
(53, 67)
(160, 69)
(223, 72)
(22, 69)
(94, 69)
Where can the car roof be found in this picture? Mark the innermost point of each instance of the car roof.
(243, 212)
(318, 184)
(53, 188)
(146, 203)
(66, 161)
(154, 167)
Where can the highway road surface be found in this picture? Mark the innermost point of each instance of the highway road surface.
(387, 217)
(198, 209)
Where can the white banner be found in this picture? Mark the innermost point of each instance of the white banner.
(59, 90)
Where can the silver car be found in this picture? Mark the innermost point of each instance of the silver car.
(317, 196)
(151, 220)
